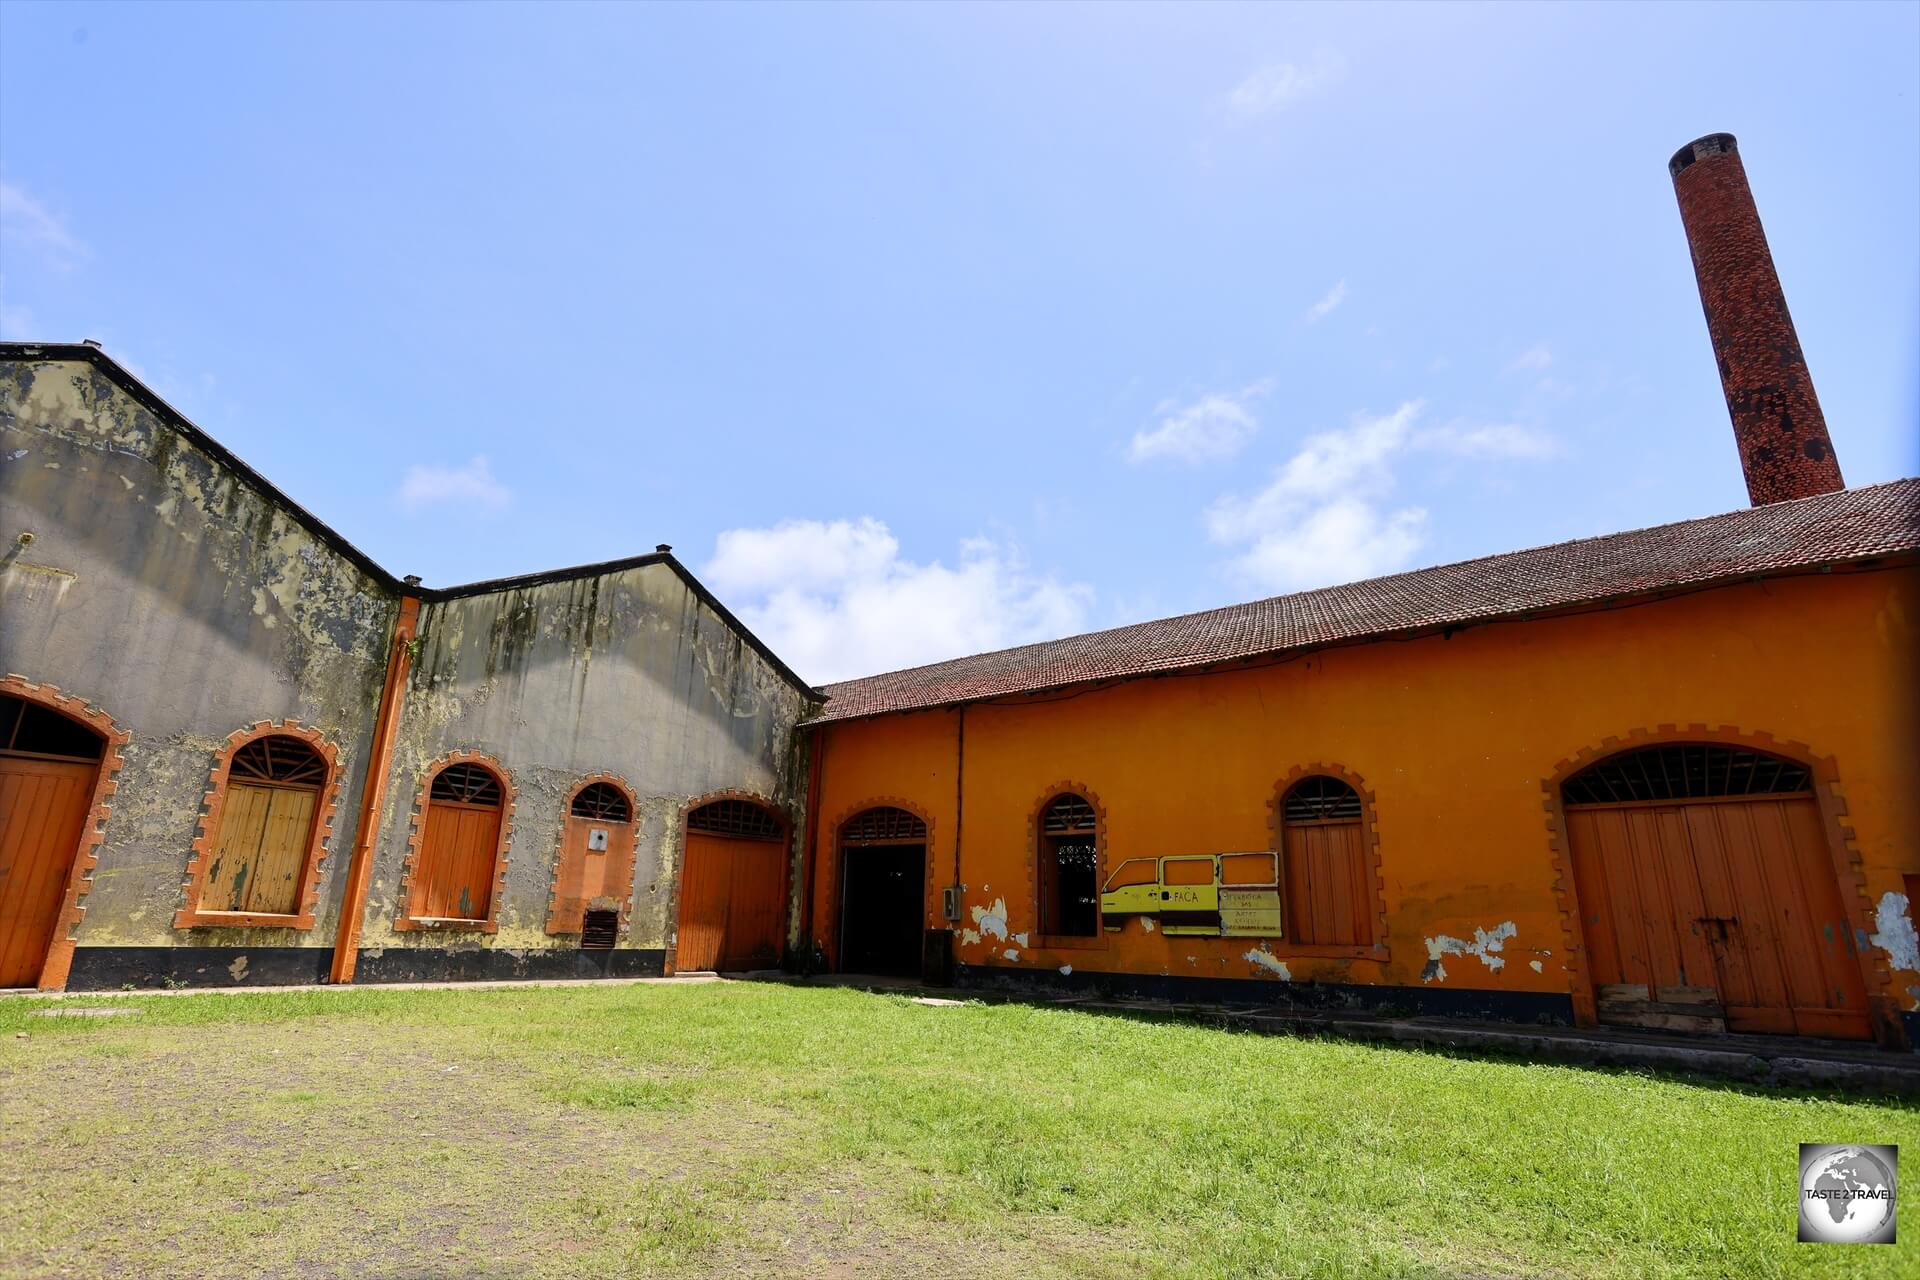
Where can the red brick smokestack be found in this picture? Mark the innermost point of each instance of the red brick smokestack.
(1777, 421)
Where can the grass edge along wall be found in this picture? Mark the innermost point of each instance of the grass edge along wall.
(1457, 742)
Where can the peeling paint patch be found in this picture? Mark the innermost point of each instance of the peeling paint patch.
(1536, 966)
(992, 921)
(1020, 938)
(1894, 932)
(1065, 969)
(1146, 924)
(1485, 943)
(238, 969)
(1265, 959)
(969, 938)
(1013, 953)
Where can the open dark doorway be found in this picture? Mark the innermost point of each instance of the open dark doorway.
(881, 908)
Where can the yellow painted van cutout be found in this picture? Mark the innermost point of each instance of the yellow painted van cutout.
(1223, 895)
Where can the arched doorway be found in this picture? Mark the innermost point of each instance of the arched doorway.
(594, 872)
(733, 888)
(1707, 894)
(883, 881)
(49, 767)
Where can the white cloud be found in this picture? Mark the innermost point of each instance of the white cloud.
(1538, 356)
(1325, 517)
(1501, 440)
(474, 484)
(25, 221)
(837, 600)
(1281, 84)
(1324, 308)
(1214, 426)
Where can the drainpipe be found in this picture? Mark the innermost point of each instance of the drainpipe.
(373, 790)
(816, 767)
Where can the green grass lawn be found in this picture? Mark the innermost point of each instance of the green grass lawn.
(766, 1130)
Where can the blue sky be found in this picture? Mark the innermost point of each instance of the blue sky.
(924, 330)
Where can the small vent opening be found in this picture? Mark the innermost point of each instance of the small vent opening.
(600, 930)
(884, 825)
(286, 761)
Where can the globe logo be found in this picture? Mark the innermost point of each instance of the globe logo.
(1847, 1193)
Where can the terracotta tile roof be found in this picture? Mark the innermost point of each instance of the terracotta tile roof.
(1855, 524)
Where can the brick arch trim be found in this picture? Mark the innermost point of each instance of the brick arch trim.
(1842, 849)
(1099, 941)
(407, 920)
(212, 808)
(1370, 831)
(834, 871)
(566, 812)
(675, 858)
(59, 960)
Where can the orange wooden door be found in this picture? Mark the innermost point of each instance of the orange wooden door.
(457, 861)
(732, 895)
(1327, 897)
(1738, 895)
(585, 873)
(43, 811)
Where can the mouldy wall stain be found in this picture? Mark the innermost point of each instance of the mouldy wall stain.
(628, 673)
(186, 604)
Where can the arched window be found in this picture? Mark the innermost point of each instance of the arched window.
(257, 858)
(593, 872)
(741, 818)
(1069, 868)
(1329, 902)
(1686, 771)
(604, 801)
(460, 847)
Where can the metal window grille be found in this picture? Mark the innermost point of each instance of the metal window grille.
(287, 761)
(30, 729)
(1321, 799)
(600, 930)
(466, 784)
(603, 801)
(735, 818)
(1067, 813)
(884, 825)
(1685, 772)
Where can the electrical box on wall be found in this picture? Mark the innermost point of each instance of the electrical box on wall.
(597, 840)
(950, 902)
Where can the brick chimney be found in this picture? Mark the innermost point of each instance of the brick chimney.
(1777, 422)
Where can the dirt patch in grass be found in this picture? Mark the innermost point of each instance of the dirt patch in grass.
(332, 1147)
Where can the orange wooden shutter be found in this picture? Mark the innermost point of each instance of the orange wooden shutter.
(457, 861)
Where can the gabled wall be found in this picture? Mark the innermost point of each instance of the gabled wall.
(161, 587)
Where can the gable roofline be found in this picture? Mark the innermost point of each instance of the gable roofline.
(57, 352)
(1870, 526)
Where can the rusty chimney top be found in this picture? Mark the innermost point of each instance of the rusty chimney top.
(1777, 423)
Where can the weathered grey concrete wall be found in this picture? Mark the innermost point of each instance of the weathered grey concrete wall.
(186, 604)
(629, 673)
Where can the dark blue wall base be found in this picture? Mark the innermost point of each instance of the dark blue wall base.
(121, 968)
(1387, 1001)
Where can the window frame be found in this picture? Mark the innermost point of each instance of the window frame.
(1375, 906)
(407, 919)
(1037, 836)
(190, 915)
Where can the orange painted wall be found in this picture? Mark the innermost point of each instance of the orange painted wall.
(1456, 738)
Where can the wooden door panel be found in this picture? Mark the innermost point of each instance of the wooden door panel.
(704, 881)
(43, 813)
(1733, 895)
(457, 861)
(755, 898)
(275, 884)
(243, 820)
(1326, 884)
